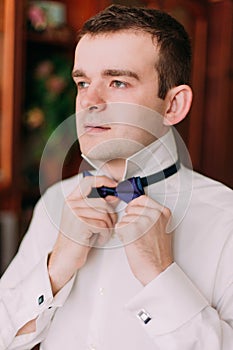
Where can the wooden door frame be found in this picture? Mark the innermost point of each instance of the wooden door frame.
(6, 130)
(11, 93)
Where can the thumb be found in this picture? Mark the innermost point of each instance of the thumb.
(86, 184)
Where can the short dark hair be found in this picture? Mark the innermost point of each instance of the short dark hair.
(174, 63)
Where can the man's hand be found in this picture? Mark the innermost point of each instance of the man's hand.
(85, 222)
(143, 231)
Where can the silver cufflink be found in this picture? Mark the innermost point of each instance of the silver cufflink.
(41, 300)
(144, 316)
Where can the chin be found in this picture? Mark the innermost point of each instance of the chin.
(111, 149)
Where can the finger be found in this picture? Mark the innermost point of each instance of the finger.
(98, 205)
(141, 211)
(95, 226)
(86, 184)
(100, 232)
(84, 236)
(146, 202)
(140, 222)
(104, 236)
(128, 219)
(128, 231)
(112, 200)
(86, 214)
(94, 203)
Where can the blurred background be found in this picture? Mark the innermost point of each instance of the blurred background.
(37, 41)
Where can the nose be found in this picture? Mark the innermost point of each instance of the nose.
(92, 99)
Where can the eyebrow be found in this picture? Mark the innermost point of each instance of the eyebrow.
(108, 73)
(78, 73)
(120, 73)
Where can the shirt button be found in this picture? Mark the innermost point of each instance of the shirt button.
(92, 347)
(101, 291)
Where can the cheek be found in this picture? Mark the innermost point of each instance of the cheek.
(77, 104)
(140, 136)
(148, 96)
(85, 144)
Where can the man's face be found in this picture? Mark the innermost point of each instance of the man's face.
(108, 69)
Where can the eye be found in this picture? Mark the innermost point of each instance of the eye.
(82, 85)
(119, 84)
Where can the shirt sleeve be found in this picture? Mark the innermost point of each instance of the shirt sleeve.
(25, 290)
(31, 299)
(176, 315)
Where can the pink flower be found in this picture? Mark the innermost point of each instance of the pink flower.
(44, 69)
(56, 84)
(37, 17)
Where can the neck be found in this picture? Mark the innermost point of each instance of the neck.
(115, 168)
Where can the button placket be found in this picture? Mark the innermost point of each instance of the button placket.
(101, 291)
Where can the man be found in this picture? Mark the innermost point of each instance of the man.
(105, 273)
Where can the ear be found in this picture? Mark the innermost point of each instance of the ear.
(178, 102)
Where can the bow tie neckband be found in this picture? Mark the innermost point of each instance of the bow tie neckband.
(133, 187)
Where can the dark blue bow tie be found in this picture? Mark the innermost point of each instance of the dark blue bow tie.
(133, 187)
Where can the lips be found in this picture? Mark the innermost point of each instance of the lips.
(91, 128)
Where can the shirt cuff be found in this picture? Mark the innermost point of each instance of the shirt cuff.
(167, 302)
(28, 300)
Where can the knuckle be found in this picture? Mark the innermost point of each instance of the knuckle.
(147, 220)
(103, 224)
(166, 212)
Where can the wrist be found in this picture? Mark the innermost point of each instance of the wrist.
(151, 274)
(145, 279)
(59, 273)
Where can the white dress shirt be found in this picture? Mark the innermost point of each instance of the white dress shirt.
(104, 307)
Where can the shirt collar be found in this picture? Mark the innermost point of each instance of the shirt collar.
(157, 156)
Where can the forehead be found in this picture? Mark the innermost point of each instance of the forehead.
(130, 48)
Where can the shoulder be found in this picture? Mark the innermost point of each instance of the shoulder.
(64, 187)
(52, 200)
(212, 194)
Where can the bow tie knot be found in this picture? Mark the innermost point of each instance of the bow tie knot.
(126, 190)
(133, 187)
